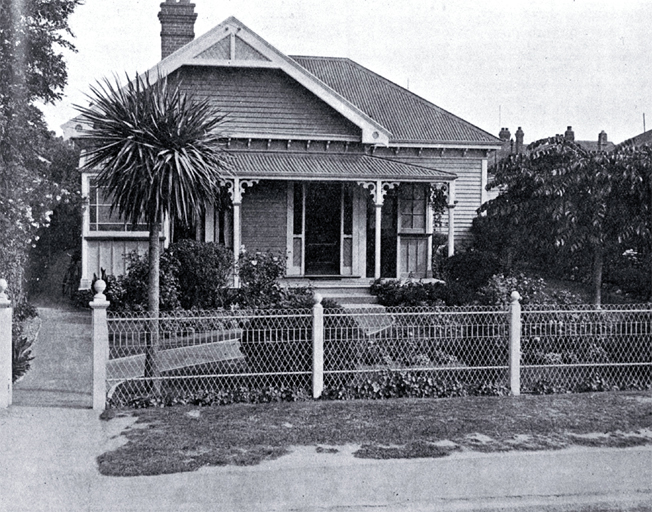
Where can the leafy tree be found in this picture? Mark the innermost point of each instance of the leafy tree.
(32, 69)
(159, 156)
(560, 193)
(634, 165)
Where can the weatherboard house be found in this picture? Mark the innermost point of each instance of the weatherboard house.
(332, 165)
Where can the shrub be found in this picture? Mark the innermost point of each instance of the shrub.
(416, 293)
(259, 278)
(471, 269)
(21, 353)
(203, 272)
(533, 290)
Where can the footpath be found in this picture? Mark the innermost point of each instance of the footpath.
(49, 441)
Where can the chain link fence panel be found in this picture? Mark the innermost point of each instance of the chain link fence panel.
(468, 345)
(208, 351)
(563, 348)
(586, 348)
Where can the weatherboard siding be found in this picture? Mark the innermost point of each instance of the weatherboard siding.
(110, 254)
(468, 190)
(266, 102)
(264, 221)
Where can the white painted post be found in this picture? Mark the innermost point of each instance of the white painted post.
(515, 344)
(317, 347)
(100, 345)
(6, 349)
(451, 218)
(378, 241)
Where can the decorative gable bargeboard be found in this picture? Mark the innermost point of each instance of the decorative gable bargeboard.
(331, 164)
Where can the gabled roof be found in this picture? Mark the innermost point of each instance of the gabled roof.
(337, 166)
(385, 112)
(232, 44)
(407, 116)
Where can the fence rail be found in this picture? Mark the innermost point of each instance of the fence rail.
(540, 349)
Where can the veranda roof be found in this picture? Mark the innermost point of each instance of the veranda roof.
(325, 166)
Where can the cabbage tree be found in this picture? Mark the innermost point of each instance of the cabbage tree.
(157, 153)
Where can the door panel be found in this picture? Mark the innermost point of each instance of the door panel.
(323, 224)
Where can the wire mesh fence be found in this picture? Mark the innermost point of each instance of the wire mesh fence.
(187, 352)
(467, 345)
(583, 348)
(563, 348)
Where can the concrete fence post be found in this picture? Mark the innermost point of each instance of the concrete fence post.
(317, 347)
(100, 345)
(515, 344)
(6, 348)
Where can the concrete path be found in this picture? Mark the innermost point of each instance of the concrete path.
(61, 372)
(47, 463)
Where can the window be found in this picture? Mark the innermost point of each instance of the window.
(101, 218)
(413, 207)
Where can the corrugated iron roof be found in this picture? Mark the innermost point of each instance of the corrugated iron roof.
(409, 117)
(638, 140)
(337, 166)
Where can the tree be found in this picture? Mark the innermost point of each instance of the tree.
(31, 69)
(560, 192)
(159, 156)
(634, 164)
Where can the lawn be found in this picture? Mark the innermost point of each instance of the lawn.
(184, 438)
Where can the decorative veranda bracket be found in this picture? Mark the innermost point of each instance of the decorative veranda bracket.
(378, 189)
(236, 188)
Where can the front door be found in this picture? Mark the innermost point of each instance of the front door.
(323, 228)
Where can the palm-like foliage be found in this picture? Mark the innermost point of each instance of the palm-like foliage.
(157, 149)
(157, 153)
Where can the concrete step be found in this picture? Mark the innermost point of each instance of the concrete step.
(348, 297)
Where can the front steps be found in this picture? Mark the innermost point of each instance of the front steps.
(354, 296)
(345, 291)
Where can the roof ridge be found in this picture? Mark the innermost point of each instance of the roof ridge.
(322, 57)
(403, 90)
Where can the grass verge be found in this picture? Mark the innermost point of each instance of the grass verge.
(176, 439)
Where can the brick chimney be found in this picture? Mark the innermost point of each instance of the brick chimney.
(602, 141)
(177, 25)
(569, 134)
(519, 141)
(504, 134)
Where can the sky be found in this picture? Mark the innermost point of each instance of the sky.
(539, 64)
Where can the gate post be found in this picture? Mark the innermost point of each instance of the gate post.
(100, 345)
(6, 348)
(317, 347)
(515, 344)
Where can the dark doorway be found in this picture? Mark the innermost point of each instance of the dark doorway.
(323, 226)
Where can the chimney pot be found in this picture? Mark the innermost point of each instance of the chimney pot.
(519, 140)
(602, 140)
(504, 134)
